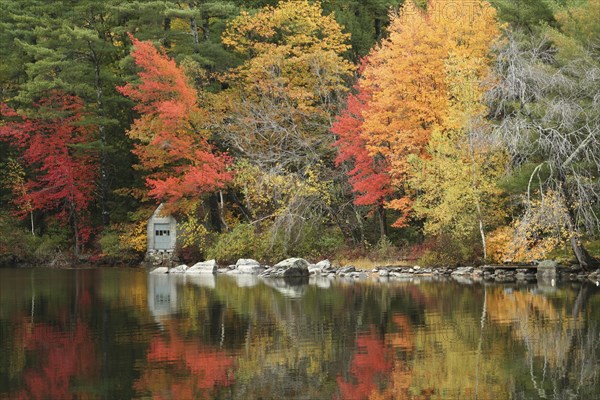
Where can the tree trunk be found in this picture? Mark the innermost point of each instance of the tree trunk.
(584, 258)
(377, 25)
(482, 233)
(382, 221)
(222, 210)
(215, 218)
(167, 28)
(76, 234)
(194, 30)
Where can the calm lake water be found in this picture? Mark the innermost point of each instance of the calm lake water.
(121, 333)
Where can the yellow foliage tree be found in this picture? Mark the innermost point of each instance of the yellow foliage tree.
(279, 108)
(456, 186)
(422, 78)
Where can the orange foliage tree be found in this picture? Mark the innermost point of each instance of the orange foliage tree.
(410, 75)
(172, 141)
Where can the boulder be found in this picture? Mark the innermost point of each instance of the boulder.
(547, 264)
(248, 266)
(203, 267)
(180, 269)
(289, 268)
(314, 270)
(346, 270)
(462, 271)
(323, 265)
(547, 271)
(160, 270)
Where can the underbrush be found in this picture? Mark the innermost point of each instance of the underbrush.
(269, 245)
(370, 256)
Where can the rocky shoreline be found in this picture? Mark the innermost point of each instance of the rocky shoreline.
(547, 271)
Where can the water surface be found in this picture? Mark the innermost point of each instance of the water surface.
(121, 333)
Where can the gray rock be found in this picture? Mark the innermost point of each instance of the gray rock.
(288, 268)
(547, 270)
(462, 271)
(384, 272)
(246, 261)
(314, 270)
(547, 264)
(403, 275)
(248, 266)
(160, 270)
(346, 270)
(323, 265)
(180, 269)
(203, 267)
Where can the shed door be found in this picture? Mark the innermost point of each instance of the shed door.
(162, 237)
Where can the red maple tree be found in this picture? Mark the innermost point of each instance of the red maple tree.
(172, 141)
(368, 177)
(62, 172)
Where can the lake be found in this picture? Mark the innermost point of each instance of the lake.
(122, 333)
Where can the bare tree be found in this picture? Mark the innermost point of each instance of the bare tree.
(548, 113)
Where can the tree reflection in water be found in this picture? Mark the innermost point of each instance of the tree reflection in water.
(124, 334)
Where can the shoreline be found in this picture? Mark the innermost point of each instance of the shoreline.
(547, 271)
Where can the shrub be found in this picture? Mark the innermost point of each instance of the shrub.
(447, 251)
(240, 242)
(247, 241)
(115, 250)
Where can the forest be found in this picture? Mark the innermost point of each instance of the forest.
(447, 132)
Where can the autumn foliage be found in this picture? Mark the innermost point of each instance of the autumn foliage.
(62, 172)
(172, 139)
(408, 77)
(369, 175)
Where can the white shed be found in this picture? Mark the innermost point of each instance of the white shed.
(162, 232)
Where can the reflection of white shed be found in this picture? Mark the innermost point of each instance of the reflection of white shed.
(162, 232)
(162, 294)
